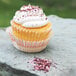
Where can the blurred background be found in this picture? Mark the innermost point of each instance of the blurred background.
(62, 8)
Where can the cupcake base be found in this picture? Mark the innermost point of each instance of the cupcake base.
(27, 46)
(28, 49)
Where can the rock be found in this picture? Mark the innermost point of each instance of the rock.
(6, 70)
(61, 49)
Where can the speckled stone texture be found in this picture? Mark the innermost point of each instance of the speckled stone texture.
(61, 49)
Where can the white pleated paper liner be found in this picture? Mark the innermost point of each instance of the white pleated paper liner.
(27, 46)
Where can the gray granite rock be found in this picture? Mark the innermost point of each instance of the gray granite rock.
(61, 49)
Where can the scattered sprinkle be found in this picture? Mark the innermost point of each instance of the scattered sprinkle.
(42, 64)
(27, 62)
(45, 18)
(22, 15)
(18, 19)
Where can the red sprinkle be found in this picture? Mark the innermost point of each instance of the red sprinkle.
(46, 18)
(22, 15)
(42, 64)
(18, 19)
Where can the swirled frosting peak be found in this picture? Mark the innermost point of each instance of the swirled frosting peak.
(30, 16)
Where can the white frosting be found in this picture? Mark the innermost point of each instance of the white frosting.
(30, 16)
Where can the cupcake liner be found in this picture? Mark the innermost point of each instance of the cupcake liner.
(27, 46)
(28, 49)
(30, 34)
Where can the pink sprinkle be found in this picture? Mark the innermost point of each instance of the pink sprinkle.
(46, 18)
(18, 19)
(42, 64)
(29, 9)
(41, 15)
(22, 15)
(23, 10)
(24, 6)
(35, 10)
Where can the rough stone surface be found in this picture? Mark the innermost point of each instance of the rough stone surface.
(61, 49)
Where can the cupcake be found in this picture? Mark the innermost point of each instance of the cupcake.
(30, 29)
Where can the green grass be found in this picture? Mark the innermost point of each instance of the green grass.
(7, 11)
